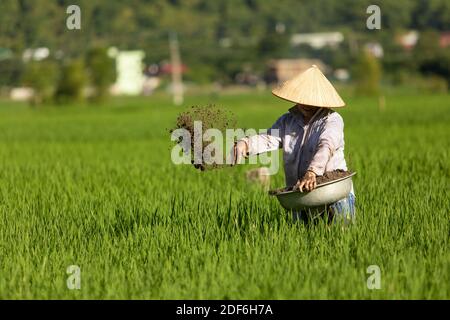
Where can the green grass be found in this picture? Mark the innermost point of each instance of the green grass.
(95, 187)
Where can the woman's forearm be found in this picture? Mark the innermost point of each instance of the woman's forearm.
(261, 143)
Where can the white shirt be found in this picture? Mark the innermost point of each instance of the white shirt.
(317, 145)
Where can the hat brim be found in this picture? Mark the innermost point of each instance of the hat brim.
(312, 105)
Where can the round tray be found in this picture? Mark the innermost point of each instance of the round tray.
(323, 194)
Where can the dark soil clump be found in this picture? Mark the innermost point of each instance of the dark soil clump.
(211, 117)
(327, 177)
(332, 175)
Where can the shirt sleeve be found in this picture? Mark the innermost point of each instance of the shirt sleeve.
(331, 138)
(265, 142)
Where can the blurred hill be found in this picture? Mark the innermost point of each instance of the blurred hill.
(220, 38)
(144, 23)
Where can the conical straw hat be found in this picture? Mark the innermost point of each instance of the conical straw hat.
(310, 87)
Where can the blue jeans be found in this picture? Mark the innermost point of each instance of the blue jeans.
(342, 211)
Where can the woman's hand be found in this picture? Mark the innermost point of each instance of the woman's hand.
(239, 151)
(308, 182)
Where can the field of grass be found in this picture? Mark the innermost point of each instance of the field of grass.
(95, 187)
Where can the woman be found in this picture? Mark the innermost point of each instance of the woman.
(311, 135)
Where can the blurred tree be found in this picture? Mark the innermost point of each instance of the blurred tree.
(102, 72)
(431, 14)
(367, 74)
(427, 47)
(9, 23)
(37, 22)
(396, 14)
(273, 44)
(203, 26)
(42, 77)
(72, 81)
(430, 58)
(11, 72)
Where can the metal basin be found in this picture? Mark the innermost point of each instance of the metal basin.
(323, 194)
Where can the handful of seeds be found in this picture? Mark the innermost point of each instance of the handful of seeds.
(205, 117)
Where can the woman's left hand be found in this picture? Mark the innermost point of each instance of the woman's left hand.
(308, 182)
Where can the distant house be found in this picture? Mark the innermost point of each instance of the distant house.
(408, 40)
(444, 39)
(284, 69)
(37, 54)
(167, 68)
(130, 72)
(375, 48)
(21, 94)
(341, 74)
(318, 40)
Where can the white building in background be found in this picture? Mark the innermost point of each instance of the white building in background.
(36, 54)
(341, 74)
(318, 40)
(285, 69)
(21, 94)
(409, 39)
(130, 72)
(375, 48)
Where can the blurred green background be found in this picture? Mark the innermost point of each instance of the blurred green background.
(223, 43)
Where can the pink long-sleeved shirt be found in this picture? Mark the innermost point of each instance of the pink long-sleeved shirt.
(317, 145)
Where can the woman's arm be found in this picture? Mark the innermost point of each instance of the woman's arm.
(259, 143)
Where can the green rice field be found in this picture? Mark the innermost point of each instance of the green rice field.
(95, 187)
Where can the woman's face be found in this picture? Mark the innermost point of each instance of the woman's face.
(307, 111)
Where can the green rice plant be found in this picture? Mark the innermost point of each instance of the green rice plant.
(95, 188)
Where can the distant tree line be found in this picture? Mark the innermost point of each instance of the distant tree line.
(217, 37)
(65, 80)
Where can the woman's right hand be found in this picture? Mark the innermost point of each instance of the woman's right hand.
(239, 151)
(308, 182)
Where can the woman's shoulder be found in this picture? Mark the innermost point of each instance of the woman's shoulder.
(333, 116)
(286, 117)
(281, 122)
